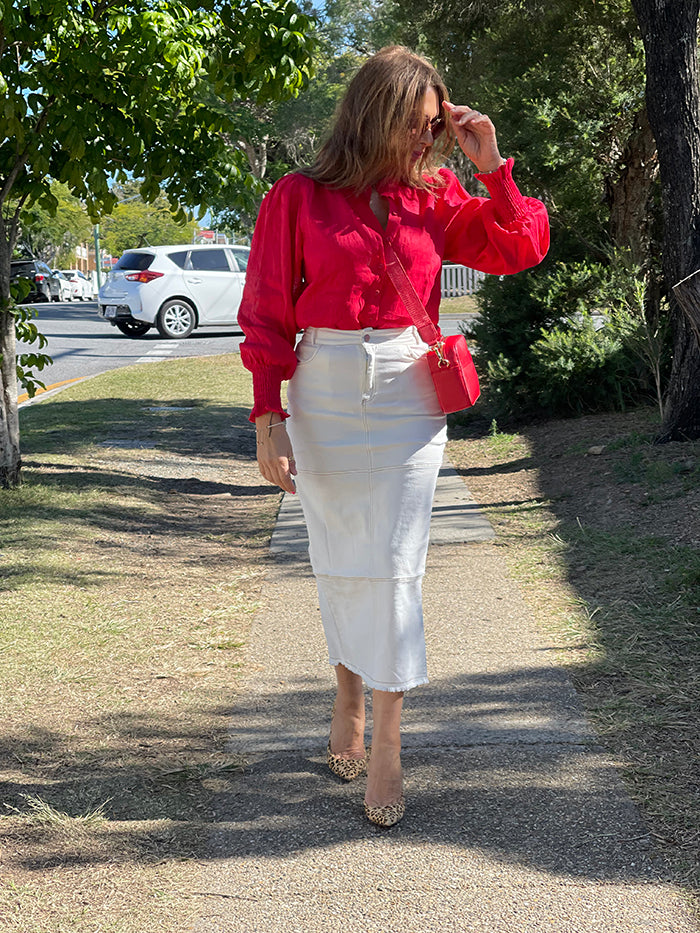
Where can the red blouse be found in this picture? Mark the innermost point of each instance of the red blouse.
(317, 259)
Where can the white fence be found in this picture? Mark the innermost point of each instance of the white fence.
(458, 280)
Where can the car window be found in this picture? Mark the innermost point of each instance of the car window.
(209, 260)
(22, 268)
(241, 257)
(135, 261)
(179, 258)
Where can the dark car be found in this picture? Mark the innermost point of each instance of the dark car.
(45, 284)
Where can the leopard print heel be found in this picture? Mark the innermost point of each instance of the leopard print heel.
(386, 816)
(346, 768)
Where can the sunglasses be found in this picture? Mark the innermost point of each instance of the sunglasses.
(436, 126)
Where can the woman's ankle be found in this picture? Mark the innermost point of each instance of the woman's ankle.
(384, 775)
(348, 729)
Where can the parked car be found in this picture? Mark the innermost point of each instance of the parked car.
(82, 285)
(174, 288)
(45, 285)
(65, 286)
(89, 290)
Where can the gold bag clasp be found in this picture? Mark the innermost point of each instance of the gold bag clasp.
(438, 349)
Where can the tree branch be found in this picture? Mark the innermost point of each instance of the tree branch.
(22, 159)
(14, 223)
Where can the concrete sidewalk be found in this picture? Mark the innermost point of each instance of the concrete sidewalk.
(517, 821)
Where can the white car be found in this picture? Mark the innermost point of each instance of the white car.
(82, 285)
(65, 286)
(174, 288)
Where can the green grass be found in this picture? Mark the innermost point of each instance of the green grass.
(185, 406)
(501, 443)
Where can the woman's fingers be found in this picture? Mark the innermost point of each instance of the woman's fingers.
(462, 115)
(275, 457)
(468, 117)
(279, 472)
(476, 136)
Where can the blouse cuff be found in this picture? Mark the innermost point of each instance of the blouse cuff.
(510, 203)
(267, 391)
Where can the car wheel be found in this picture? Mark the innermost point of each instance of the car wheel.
(133, 328)
(176, 319)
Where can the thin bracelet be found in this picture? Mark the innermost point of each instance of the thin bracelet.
(270, 425)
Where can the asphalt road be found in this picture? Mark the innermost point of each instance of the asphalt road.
(83, 344)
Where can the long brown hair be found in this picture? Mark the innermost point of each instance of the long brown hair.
(371, 138)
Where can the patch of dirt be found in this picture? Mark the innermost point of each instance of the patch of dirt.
(602, 470)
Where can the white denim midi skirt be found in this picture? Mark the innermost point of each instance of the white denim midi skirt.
(368, 438)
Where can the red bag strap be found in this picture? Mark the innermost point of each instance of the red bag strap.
(428, 331)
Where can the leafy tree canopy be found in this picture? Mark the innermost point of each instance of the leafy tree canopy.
(134, 222)
(53, 235)
(93, 91)
(562, 81)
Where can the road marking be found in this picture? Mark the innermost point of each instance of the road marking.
(158, 351)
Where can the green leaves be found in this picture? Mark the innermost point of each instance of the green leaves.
(26, 331)
(89, 92)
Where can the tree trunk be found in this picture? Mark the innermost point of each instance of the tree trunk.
(630, 195)
(10, 461)
(257, 158)
(687, 294)
(669, 33)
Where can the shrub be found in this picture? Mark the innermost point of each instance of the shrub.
(578, 368)
(566, 338)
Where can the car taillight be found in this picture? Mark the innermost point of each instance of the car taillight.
(38, 277)
(144, 276)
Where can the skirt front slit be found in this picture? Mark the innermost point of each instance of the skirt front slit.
(368, 439)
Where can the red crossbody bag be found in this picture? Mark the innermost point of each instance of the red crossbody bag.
(451, 365)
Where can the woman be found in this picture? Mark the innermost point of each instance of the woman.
(365, 436)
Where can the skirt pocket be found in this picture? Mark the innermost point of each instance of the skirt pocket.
(306, 352)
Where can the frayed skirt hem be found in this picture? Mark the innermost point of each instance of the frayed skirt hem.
(376, 685)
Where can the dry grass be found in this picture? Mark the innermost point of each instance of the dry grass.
(602, 529)
(465, 305)
(132, 560)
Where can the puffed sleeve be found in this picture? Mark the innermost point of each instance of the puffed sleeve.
(503, 234)
(273, 283)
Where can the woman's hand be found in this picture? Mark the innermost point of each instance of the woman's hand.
(275, 457)
(476, 136)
